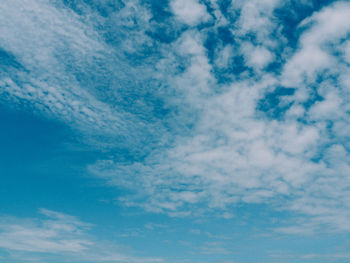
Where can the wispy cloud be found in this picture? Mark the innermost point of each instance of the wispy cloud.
(68, 71)
(58, 235)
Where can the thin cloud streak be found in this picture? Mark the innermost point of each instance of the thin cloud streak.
(58, 235)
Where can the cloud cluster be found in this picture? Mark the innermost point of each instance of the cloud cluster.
(57, 63)
(224, 107)
(42, 38)
(237, 152)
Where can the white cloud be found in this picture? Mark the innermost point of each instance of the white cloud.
(232, 158)
(328, 26)
(223, 149)
(214, 248)
(59, 235)
(195, 81)
(224, 56)
(42, 37)
(190, 12)
(347, 51)
(236, 154)
(328, 108)
(256, 57)
(257, 17)
(69, 72)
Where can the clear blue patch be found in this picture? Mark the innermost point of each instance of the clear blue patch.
(292, 13)
(165, 34)
(230, 14)
(8, 60)
(270, 105)
(160, 10)
(218, 38)
(225, 35)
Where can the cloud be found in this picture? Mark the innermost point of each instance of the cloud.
(68, 71)
(190, 12)
(334, 256)
(235, 153)
(223, 165)
(257, 17)
(274, 137)
(257, 57)
(59, 235)
(214, 248)
(43, 37)
(326, 28)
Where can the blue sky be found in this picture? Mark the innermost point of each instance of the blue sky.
(174, 131)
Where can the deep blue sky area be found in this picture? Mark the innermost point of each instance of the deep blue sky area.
(177, 131)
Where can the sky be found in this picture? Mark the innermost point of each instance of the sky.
(174, 131)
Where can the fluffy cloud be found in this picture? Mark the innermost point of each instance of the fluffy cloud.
(256, 57)
(314, 56)
(190, 12)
